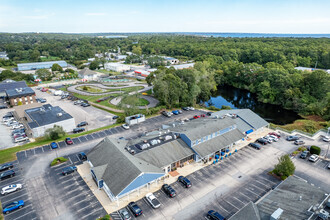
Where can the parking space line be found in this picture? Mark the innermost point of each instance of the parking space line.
(14, 199)
(238, 200)
(267, 180)
(261, 183)
(79, 210)
(95, 210)
(25, 214)
(231, 204)
(245, 196)
(20, 209)
(34, 150)
(77, 195)
(25, 154)
(252, 192)
(86, 199)
(70, 160)
(223, 208)
(42, 149)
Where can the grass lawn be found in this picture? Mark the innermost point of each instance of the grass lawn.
(140, 101)
(94, 89)
(104, 103)
(8, 67)
(91, 89)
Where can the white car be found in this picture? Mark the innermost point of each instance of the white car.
(17, 126)
(313, 158)
(125, 126)
(20, 139)
(11, 188)
(153, 200)
(326, 138)
(274, 138)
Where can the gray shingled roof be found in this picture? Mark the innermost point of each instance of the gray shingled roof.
(12, 85)
(217, 143)
(246, 115)
(287, 197)
(86, 72)
(116, 166)
(19, 92)
(249, 211)
(201, 127)
(47, 114)
(166, 153)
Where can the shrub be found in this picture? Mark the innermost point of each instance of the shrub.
(315, 150)
(213, 108)
(106, 217)
(285, 167)
(85, 88)
(302, 148)
(295, 152)
(55, 132)
(224, 107)
(58, 160)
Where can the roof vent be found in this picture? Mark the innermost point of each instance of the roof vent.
(59, 114)
(277, 214)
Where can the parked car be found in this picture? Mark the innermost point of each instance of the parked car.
(275, 134)
(11, 188)
(268, 139)
(20, 139)
(275, 138)
(262, 141)
(124, 214)
(13, 206)
(153, 200)
(167, 114)
(191, 108)
(82, 156)
(304, 154)
(84, 104)
(292, 138)
(185, 108)
(68, 141)
(213, 215)
(209, 113)
(115, 117)
(44, 90)
(125, 126)
(299, 142)
(78, 102)
(68, 170)
(313, 158)
(203, 115)
(53, 145)
(176, 112)
(77, 130)
(6, 166)
(196, 116)
(18, 126)
(326, 138)
(255, 145)
(135, 209)
(169, 190)
(180, 112)
(18, 131)
(16, 135)
(81, 124)
(184, 181)
(41, 100)
(7, 174)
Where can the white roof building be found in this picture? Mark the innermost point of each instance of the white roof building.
(117, 67)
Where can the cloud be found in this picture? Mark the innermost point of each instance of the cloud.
(95, 14)
(39, 17)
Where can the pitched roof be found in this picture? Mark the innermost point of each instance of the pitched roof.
(19, 92)
(116, 166)
(249, 211)
(11, 85)
(246, 115)
(45, 115)
(86, 72)
(166, 153)
(212, 145)
(196, 129)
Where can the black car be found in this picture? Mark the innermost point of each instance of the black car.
(185, 182)
(304, 154)
(169, 190)
(213, 215)
(81, 124)
(115, 117)
(6, 166)
(262, 141)
(135, 209)
(7, 174)
(185, 108)
(209, 113)
(18, 131)
(68, 170)
(292, 138)
(84, 104)
(255, 145)
(77, 130)
(82, 156)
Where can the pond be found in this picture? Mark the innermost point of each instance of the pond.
(240, 98)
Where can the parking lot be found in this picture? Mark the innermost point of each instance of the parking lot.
(28, 211)
(95, 117)
(195, 202)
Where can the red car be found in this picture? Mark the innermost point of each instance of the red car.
(203, 115)
(68, 141)
(44, 90)
(196, 116)
(275, 134)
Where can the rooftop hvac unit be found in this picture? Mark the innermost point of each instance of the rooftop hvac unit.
(168, 137)
(154, 142)
(277, 214)
(59, 114)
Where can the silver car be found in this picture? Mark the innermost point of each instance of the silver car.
(313, 158)
(11, 188)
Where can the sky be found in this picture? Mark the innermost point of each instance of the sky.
(120, 16)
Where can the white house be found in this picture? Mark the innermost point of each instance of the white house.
(87, 74)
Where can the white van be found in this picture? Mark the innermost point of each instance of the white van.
(58, 92)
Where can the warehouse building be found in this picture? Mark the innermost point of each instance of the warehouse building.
(41, 118)
(21, 96)
(117, 67)
(40, 65)
(118, 172)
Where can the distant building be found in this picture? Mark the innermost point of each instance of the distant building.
(10, 84)
(21, 96)
(4, 55)
(120, 57)
(41, 118)
(143, 73)
(304, 68)
(171, 60)
(293, 199)
(90, 59)
(87, 74)
(135, 119)
(182, 66)
(99, 55)
(117, 67)
(40, 65)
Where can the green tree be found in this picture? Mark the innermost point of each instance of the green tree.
(35, 55)
(44, 74)
(285, 167)
(94, 65)
(56, 67)
(137, 50)
(55, 133)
